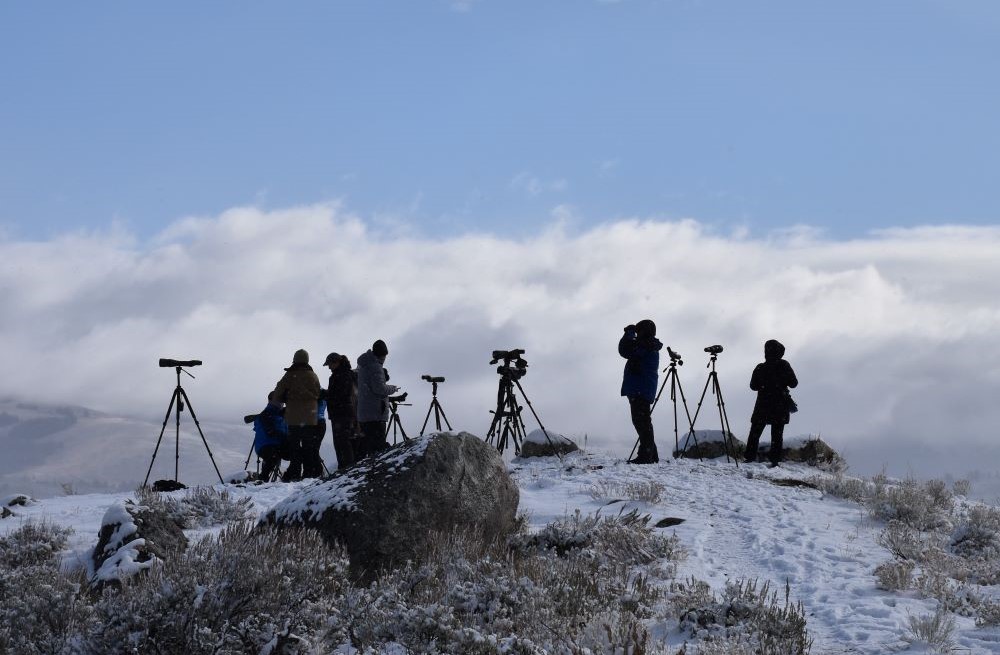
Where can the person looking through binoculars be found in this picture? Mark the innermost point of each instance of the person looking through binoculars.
(641, 348)
(299, 389)
(373, 398)
(341, 407)
(771, 379)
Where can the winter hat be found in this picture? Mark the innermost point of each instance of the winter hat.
(331, 358)
(300, 357)
(380, 349)
(773, 349)
(645, 328)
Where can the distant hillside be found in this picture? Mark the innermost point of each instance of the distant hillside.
(48, 446)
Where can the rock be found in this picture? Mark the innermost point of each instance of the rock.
(814, 452)
(131, 539)
(708, 444)
(385, 510)
(536, 445)
(168, 485)
(4, 513)
(21, 500)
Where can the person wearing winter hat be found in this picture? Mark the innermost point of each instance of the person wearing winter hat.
(771, 379)
(341, 407)
(641, 348)
(299, 389)
(373, 394)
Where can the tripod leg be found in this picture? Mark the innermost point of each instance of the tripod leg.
(427, 418)
(657, 399)
(170, 408)
(723, 419)
(537, 419)
(399, 422)
(673, 397)
(246, 465)
(441, 410)
(203, 439)
(697, 411)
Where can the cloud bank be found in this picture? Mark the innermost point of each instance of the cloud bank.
(893, 336)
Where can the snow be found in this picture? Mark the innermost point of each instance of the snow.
(124, 562)
(340, 491)
(737, 524)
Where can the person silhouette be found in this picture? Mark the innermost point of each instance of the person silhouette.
(771, 379)
(641, 348)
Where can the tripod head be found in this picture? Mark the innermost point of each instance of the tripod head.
(432, 380)
(714, 352)
(398, 400)
(514, 366)
(675, 359)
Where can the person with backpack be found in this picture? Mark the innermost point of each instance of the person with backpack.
(299, 389)
(641, 348)
(771, 379)
(269, 434)
(341, 408)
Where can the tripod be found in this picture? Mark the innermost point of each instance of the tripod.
(177, 400)
(713, 381)
(395, 425)
(507, 424)
(435, 405)
(675, 386)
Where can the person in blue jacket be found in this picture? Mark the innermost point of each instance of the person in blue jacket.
(270, 431)
(641, 348)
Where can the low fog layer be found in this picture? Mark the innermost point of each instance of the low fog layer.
(892, 336)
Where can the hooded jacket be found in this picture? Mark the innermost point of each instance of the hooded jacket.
(299, 389)
(342, 394)
(269, 428)
(643, 365)
(772, 379)
(372, 390)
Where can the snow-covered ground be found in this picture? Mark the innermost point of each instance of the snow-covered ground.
(736, 524)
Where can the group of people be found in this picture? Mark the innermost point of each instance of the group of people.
(771, 379)
(293, 425)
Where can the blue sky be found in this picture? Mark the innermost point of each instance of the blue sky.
(455, 117)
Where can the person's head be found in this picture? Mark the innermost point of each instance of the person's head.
(271, 400)
(300, 357)
(333, 360)
(380, 350)
(645, 329)
(773, 350)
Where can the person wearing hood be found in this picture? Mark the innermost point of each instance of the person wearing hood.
(299, 389)
(641, 348)
(373, 397)
(771, 379)
(342, 401)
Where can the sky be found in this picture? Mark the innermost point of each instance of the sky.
(233, 181)
(479, 115)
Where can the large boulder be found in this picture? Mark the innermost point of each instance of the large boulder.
(537, 444)
(385, 509)
(131, 539)
(708, 444)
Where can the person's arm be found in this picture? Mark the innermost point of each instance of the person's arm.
(281, 390)
(268, 421)
(373, 378)
(790, 380)
(628, 344)
(757, 378)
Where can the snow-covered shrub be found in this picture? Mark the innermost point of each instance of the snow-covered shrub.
(961, 487)
(624, 537)
(977, 534)
(576, 589)
(843, 486)
(909, 544)
(951, 595)
(988, 614)
(243, 590)
(690, 594)
(199, 507)
(894, 575)
(755, 615)
(921, 506)
(933, 630)
(647, 492)
(42, 610)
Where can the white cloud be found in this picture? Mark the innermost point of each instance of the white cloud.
(893, 336)
(531, 185)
